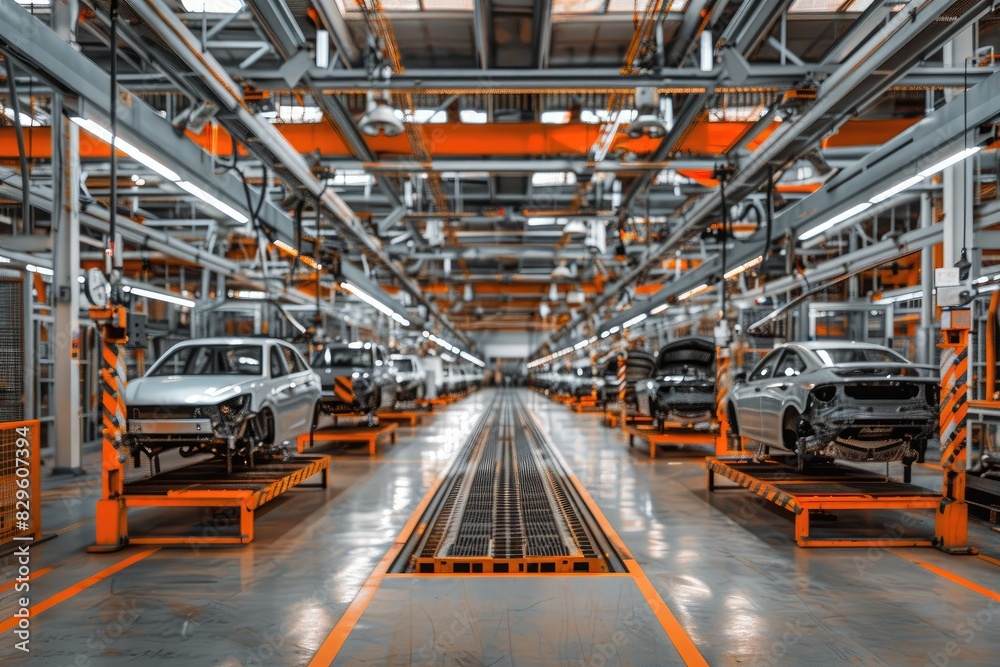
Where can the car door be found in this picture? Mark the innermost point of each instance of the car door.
(301, 388)
(282, 397)
(777, 391)
(746, 397)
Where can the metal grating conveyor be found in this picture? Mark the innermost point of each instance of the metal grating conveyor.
(508, 506)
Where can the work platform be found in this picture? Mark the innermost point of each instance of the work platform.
(613, 419)
(408, 417)
(674, 435)
(822, 489)
(349, 436)
(206, 484)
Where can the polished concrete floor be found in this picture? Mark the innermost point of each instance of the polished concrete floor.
(717, 572)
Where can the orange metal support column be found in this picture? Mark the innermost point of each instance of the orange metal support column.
(110, 522)
(951, 528)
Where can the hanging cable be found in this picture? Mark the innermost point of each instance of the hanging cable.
(113, 117)
(26, 222)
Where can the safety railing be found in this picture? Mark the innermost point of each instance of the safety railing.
(20, 482)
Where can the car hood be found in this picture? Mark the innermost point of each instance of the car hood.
(189, 389)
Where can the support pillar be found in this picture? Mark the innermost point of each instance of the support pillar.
(66, 266)
(927, 330)
(957, 192)
(951, 525)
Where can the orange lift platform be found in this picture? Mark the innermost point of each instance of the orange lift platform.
(207, 485)
(838, 487)
(824, 489)
(349, 435)
(408, 417)
(675, 435)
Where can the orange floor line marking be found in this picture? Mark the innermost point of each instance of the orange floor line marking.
(79, 587)
(31, 577)
(951, 576)
(990, 559)
(73, 527)
(331, 646)
(681, 640)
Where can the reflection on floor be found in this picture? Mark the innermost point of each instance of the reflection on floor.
(725, 566)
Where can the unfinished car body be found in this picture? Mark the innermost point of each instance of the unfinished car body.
(682, 389)
(837, 399)
(639, 365)
(238, 398)
(357, 379)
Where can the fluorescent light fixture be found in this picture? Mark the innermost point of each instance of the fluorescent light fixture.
(475, 360)
(947, 162)
(212, 6)
(473, 117)
(691, 292)
(298, 114)
(706, 60)
(614, 330)
(746, 266)
(555, 117)
(659, 309)
(635, 320)
(125, 147)
(376, 304)
(322, 49)
(605, 334)
(426, 334)
(26, 120)
(579, 346)
(159, 296)
(908, 296)
(548, 178)
(213, 201)
(896, 189)
(4, 260)
(40, 270)
(543, 221)
(826, 226)
(34, 3)
(247, 294)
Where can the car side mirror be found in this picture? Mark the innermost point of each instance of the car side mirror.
(740, 377)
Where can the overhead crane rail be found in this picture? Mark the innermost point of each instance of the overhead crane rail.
(508, 506)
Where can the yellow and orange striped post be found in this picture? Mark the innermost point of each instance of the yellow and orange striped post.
(622, 367)
(951, 528)
(110, 521)
(723, 383)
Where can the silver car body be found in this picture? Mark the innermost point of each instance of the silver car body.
(171, 409)
(411, 376)
(846, 400)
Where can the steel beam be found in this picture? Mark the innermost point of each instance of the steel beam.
(542, 32)
(277, 22)
(939, 135)
(340, 33)
(900, 42)
(751, 24)
(482, 22)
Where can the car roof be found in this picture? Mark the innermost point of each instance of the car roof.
(229, 340)
(836, 344)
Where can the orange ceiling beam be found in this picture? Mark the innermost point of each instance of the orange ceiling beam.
(500, 139)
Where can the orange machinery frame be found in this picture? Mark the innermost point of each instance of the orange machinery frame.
(12, 504)
(186, 487)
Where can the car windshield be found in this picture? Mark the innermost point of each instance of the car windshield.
(834, 356)
(404, 365)
(212, 360)
(334, 357)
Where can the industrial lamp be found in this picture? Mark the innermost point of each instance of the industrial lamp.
(380, 116)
